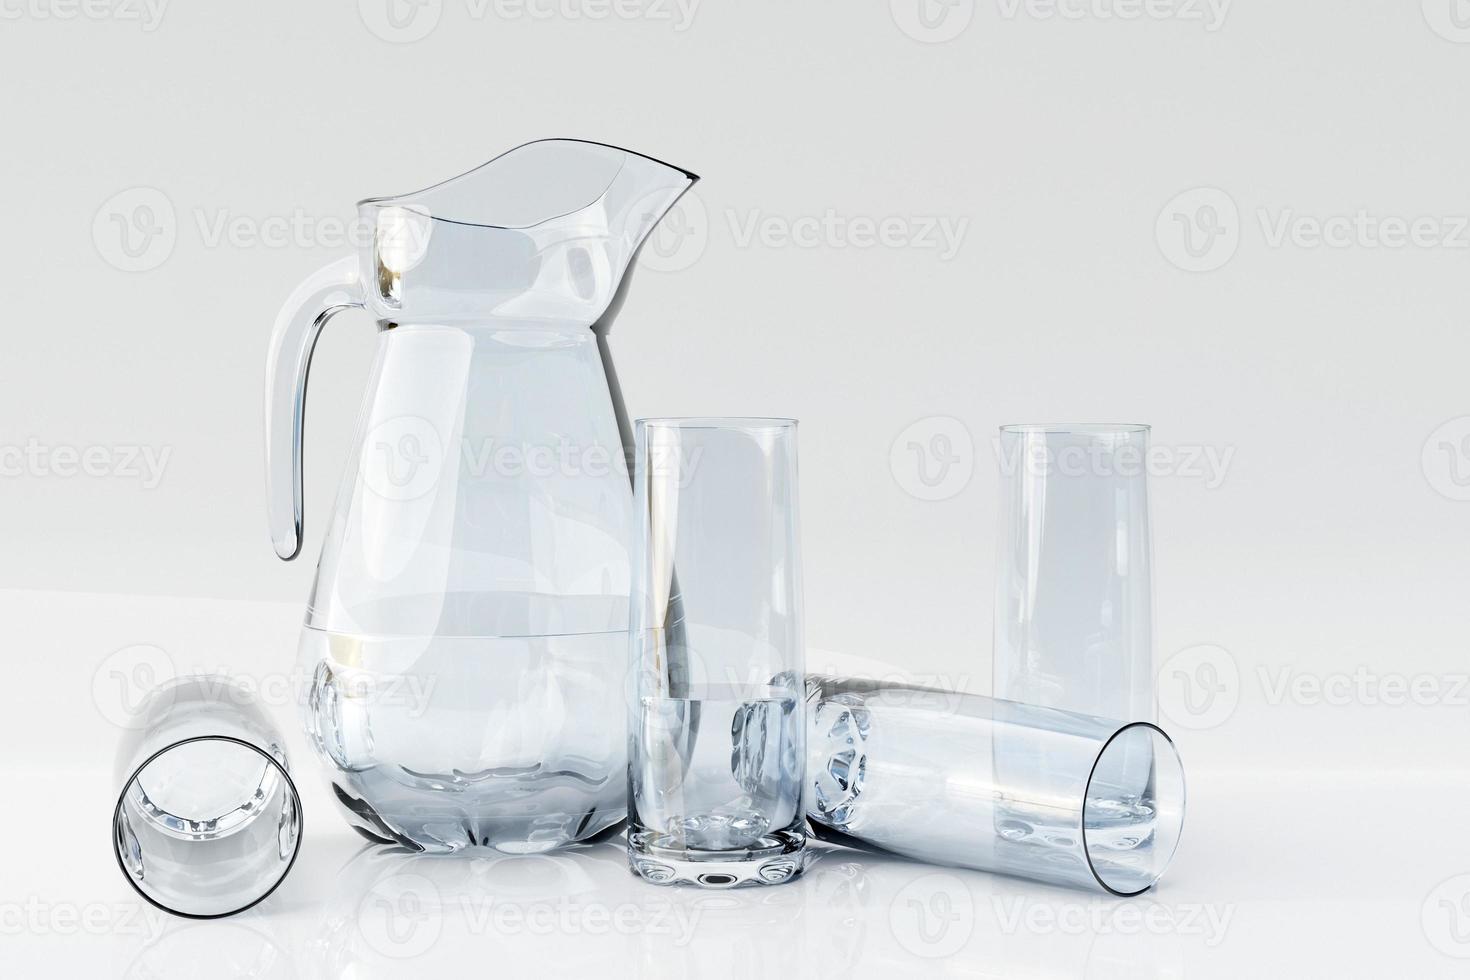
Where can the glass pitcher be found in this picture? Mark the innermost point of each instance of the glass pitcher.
(466, 637)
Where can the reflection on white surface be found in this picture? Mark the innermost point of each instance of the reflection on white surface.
(244, 947)
(580, 912)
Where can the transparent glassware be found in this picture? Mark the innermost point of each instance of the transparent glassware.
(716, 729)
(470, 608)
(1074, 593)
(207, 821)
(949, 778)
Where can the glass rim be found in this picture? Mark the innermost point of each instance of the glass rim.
(1079, 428)
(737, 423)
(1087, 792)
(133, 778)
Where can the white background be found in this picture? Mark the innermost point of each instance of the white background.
(1247, 224)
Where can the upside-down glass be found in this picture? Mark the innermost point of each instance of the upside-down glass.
(930, 774)
(1074, 597)
(716, 707)
(208, 821)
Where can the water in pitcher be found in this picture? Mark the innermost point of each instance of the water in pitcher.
(440, 743)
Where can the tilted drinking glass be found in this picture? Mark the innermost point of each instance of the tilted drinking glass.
(716, 708)
(953, 779)
(207, 822)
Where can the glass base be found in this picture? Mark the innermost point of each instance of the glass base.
(775, 858)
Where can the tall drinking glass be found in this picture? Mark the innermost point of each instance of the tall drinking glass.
(717, 704)
(1074, 597)
(208, 822)
(938, 776)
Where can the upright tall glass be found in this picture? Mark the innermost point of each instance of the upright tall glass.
(1074, 597)
(717, 709)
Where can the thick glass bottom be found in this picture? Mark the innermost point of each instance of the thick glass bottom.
(775, 858)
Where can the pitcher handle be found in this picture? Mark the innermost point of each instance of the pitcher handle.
(325, 293)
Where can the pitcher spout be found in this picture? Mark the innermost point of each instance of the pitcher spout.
(542, 235)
